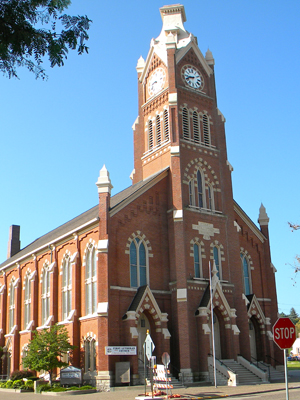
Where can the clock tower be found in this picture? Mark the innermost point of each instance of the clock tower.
(181, 129)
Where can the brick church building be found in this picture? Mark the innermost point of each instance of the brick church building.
(139, 260)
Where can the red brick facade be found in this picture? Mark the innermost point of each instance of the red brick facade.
(140, 259)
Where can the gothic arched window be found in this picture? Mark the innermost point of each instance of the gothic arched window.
(150, 135)
(138, 263)
(185, 123)
(246, 274)
(27, 301)
(200, 191)
(66, 287)
(90, 281)
(196, 129)
(206, 130)
(211, 203)
(197, 261)
(158, 131)
(217, 259)
(45, 294)
(166, 125)
(11, 315)
(191, 193)
(89, 355)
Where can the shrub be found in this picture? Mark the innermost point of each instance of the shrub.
(17, 384)
(87, 387)
(44, 387)
(16, 375)
(2, 384)
(28, 384)
(9, 384)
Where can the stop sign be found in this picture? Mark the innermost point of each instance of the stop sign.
(284, 333)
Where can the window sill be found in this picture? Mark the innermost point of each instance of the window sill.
(89, 316)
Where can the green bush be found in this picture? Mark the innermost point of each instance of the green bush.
(17, 384)
(28, 384)
(24, 373)
(9, 384)
(44, 387)
(58, 389)
(2, 385)
(86, 387)
(73, 388)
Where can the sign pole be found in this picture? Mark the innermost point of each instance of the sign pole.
(212, 326)
(286, 374)
(145, 378)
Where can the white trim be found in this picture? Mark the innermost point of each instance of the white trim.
(139, 192)
(51, 242)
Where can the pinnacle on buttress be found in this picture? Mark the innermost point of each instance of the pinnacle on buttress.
(209, 58)
(263, 218)
(104, 183)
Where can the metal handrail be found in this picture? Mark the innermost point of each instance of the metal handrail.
(221, 362)
(274, 359)
(264, 364)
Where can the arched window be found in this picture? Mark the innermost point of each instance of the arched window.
(191, 192)
(89, 355)
(185, 123)
(206, 130)
(246, 274)
(196, 129)
(200, 190)
(150, 135)
(138, 263)
(27, 301)
(166, 125)
(66, 287)
(45, 294)
(217, 259)
(158, 131)
(197, 261)
(91, 281)
(11, 315)
(211, 203)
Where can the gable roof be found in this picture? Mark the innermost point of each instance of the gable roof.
(85, 219)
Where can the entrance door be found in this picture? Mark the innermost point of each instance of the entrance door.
(218, 351)
(252, 340)
(143, 326)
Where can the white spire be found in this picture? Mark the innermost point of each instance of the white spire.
(104, 183)
(263, 218)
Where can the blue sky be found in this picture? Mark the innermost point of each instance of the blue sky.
(57, 134)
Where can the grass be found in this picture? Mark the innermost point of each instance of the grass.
(293, 365)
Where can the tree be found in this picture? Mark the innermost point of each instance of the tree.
(46, 349)
(294, 316)
(24, 40)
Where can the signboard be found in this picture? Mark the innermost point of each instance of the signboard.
(284, 333)
(71, 376)
(148, 346)
(165, 359)
(120, 350)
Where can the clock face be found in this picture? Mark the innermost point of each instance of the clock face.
(192, 77)
(156, 81)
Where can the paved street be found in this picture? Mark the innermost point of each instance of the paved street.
(269, 391)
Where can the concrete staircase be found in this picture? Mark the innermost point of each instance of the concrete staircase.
(174, 381)
(276, 375)
(245, 376)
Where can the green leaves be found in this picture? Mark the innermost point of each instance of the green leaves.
(47, 348)
(22, 44)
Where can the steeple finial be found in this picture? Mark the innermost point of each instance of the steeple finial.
(104, 183)
(263, 218)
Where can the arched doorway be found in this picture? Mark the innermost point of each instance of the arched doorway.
(217, 337)
(252, 340)
(142, 327)
(256, 344)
